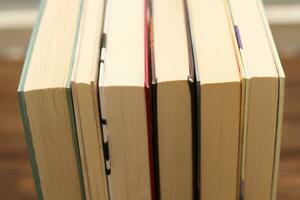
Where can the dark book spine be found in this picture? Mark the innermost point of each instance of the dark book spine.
(195, 99)
(102, 117)
(103, 121)
(150, 95)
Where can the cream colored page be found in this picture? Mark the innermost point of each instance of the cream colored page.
(170, 40)
(213, 41)
(259, 58)
(125, 56)
(53, 48)
(87, 66)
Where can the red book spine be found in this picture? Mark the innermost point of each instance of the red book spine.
(148, 100)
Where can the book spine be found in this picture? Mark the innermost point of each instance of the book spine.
(147, 86)
(22, 104)
(102, 118)
(103, 121)
(193, 86)
(153, 99)
(237, 36)
(71, 107)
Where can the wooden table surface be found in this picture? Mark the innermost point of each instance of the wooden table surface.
(15, 172)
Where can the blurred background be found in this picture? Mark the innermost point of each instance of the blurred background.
(16, 20)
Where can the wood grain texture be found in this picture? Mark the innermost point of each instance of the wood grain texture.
(15, 173)
(16, 180)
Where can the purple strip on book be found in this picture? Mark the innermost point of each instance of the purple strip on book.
(238, 36)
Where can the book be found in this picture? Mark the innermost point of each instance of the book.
(46, 102)
(84, 85)
(219, 89)
(263, 100)
(173, 99)
(153, 99)
(124, 100)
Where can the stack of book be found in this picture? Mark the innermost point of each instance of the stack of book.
(154, 99)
